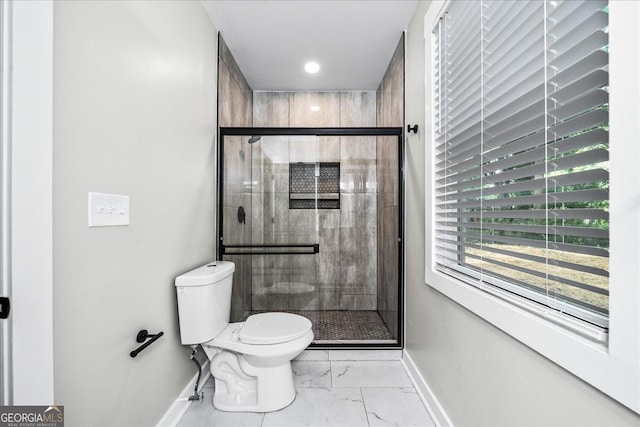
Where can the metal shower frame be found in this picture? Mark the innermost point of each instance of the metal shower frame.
(322, 131)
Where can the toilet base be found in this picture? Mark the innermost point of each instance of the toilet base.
(242, 387)
(252, 378)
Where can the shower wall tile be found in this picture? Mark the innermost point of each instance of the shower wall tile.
(394, 88)
(304, 269)
(358, 109)
(358, 176)
(258, 161)
(276, 218)
(304, 149)
(358, 164)
(304, 302)
(358, 211)
(358, 302)
(270, 302)
(338, 281)
(247, 226)
(358, 244)
(388, 285)
(304, 283)
(358, 275)
(224, 94)
(257, 218)
(234, 231)
(388, 169)
(300, 114)
(235, 97)
(337, 109)
(329, 240)
(329, 296)
(237, 165)
(225, 55)
(257, 272)
(329, 149)
(302, 225)
(275, 176)
(235, 100)
(235, 108)
(276, 270)
(390, 112)
(390, 93)
(271, 109)
(280, 177)
(240, 295)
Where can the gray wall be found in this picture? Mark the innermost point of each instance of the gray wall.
(134, 102)
(480, 375)
(344, 273)
(235, 109)
(390, 113)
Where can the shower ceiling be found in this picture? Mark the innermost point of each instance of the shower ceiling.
(353, 41)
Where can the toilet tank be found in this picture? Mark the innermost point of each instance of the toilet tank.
(204, 301)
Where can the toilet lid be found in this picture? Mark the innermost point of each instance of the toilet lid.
(272, 328)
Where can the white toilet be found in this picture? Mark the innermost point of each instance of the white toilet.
(251, 360)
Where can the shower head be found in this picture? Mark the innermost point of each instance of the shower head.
(254, 139)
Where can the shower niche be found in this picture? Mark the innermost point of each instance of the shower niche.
(322, 233)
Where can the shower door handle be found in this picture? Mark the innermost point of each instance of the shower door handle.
(278, 249)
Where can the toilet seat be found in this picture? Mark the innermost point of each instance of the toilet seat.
(273, 328)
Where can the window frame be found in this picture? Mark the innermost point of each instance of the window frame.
(614, 366)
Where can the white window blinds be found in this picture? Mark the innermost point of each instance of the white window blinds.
(521, 156)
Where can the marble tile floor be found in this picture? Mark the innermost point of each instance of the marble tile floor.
(348, 388)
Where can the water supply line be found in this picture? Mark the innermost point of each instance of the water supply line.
(196, 395)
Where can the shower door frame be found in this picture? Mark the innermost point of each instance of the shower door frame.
(322, 131)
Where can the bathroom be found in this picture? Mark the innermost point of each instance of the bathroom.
(123, 97)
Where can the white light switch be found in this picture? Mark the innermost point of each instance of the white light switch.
(108, 209)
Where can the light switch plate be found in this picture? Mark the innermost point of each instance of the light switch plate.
(108, 210)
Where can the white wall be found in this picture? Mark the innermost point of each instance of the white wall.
(134, 114)
(480, 375)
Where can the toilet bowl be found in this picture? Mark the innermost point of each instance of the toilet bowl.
(252, 371)
(250, 360)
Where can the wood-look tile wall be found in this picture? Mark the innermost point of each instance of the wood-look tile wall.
(235, 109)
(343, 275)
(390, 112)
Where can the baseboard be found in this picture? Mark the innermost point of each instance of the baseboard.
(175, 412)
(436, 411)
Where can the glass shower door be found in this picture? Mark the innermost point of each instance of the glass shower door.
(270, 221)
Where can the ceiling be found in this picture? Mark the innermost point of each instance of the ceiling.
(353, 41)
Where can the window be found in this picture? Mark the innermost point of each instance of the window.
(522, 150)
(533, 218)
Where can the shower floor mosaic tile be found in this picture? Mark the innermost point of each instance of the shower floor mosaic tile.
(355, 326)
(333, 389)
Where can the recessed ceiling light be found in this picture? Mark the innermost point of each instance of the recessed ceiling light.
(312, 67)
(314, 108)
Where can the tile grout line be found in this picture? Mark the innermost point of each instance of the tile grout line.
(364, 405)
(331, 373)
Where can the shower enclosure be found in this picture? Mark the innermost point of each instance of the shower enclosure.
(312, 219)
